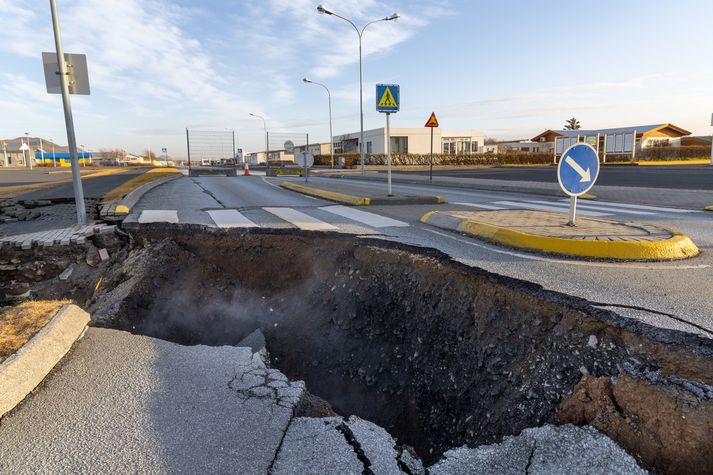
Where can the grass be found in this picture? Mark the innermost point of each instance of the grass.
(19, 324)
(125, 188)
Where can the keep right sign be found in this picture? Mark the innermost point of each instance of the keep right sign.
(578, 169)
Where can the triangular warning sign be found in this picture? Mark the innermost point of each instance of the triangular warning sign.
(432, 121)
(387, 99)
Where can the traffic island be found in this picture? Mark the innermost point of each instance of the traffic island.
(548, 232)
(333, 192)
(117, 203)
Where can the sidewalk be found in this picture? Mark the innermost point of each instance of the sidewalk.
(355, 194)
(694, 199)
(548, 232)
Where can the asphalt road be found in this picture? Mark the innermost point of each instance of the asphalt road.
(693, 177)
(94, 187)
(677, 288)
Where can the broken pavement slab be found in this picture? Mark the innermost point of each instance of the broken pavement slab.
(548, 232)
(546, 450)
(140, 404)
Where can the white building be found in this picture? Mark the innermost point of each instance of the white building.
(412, 140)
(519, 146)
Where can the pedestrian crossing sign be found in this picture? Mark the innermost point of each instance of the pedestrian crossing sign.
(387, 98)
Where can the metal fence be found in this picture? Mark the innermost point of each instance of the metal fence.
(211, 148)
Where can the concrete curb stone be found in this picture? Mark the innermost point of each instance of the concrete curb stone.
(119, 210)
(25, 370)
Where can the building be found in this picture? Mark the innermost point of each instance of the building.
(18, 151)
(620, 142)
(412, 140)
(518, 146)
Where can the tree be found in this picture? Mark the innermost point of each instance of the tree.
(490, 141)
(151, 156)
(572, 124)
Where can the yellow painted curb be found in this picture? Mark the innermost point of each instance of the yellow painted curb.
(121, 209)
(440, 200)
(328, 195)
(708, 208)
(587, 196)
(679, 246)
(702, 161)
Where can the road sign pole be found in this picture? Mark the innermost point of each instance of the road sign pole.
(572, 211)
(388, 152)
(69, 122)
(188, 147)
(305, 158)
(711, 141)
(430, 168)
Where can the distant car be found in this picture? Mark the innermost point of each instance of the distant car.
(205, 162)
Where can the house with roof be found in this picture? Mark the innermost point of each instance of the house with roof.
(619, 142)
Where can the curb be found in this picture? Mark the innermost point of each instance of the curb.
(327, 195)
(24, 371)
(679, 246)
(362, 200)
(708, 208)
(120, 210)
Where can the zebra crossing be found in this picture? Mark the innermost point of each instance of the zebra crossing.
(584, 207)
(342, 218)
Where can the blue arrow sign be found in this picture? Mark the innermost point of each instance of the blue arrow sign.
(578, 169)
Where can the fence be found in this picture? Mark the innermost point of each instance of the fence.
(211, 147)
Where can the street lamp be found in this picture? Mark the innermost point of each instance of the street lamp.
(329, 100)
(264, 125)
(395, 16)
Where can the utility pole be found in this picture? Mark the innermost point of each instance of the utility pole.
(69, 122)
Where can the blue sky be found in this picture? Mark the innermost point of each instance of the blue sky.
(509, 68)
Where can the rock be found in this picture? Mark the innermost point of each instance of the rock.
(66, 273)
(592, 342)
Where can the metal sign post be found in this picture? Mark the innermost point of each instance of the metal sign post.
(388, 101)
(577, 171)
(69, 122)
(431, 123)
(4, 151)
(711, 141)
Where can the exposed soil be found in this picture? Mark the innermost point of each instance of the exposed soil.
(438, 353)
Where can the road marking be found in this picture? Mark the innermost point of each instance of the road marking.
(158, 216)
(650, 208)
(478, 205)
(230, 218)
(569, 262)
(554, 207)
(301, 220)
(370, 219)
(597, 206)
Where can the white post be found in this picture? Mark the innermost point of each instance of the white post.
(572, 211)
(711, 141)
(604, 159)
(388, 153)
(4, 151)
(430, 162)
(54, 157)
(69, 122)
(42, 151)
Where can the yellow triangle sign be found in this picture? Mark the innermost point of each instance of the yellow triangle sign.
(387, 99)
(432, 121)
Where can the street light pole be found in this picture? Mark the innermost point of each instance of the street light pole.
(329, 100)
(395, 16)
(69, 122)
(29, 150)
(264, 125)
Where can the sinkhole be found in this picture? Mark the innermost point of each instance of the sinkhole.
(438, 353)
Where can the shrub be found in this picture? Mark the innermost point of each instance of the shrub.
(414, 159)
(688, 152)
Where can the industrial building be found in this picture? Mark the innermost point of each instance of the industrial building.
(412, 140)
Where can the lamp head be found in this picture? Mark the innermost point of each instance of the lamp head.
(394, 16)
(324, 10)
(306, 80)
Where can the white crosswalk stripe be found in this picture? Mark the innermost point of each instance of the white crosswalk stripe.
(158, 216)
(552, 207)
(230, 218)
(479, 205)
(596, 206)
(370, 219)
(300, 219)
(641, 207)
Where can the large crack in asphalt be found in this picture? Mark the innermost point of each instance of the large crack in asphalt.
(438, 353)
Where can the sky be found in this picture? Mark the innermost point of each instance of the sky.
(510, 68)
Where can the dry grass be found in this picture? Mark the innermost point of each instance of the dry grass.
(18, 324)
(125, 188)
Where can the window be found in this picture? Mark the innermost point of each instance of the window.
(368, 147)
(474, 146)
(399, 144)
